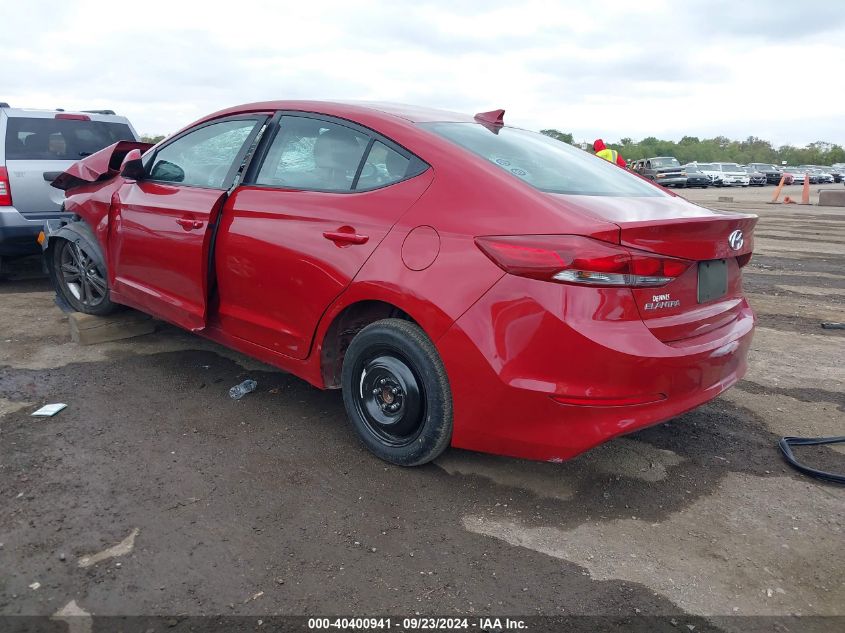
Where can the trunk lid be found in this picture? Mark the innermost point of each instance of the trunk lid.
(708, 294)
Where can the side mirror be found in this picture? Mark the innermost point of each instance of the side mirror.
(168, 172)
(131, 168)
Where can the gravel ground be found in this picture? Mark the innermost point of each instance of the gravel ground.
(270, 506)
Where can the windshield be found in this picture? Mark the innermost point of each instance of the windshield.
(60, 139)
(731, 167)
(544, 163)
(665, 162)
(691, 168)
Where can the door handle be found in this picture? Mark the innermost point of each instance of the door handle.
(342, 238)
(189, 225)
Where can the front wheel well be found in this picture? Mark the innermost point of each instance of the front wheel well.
(351, 320)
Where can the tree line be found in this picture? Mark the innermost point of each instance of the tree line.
(721, 149)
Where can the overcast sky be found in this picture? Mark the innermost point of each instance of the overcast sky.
(609, 69)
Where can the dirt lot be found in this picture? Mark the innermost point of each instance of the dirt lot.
(269, 505)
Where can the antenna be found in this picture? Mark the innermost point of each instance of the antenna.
(494, 117)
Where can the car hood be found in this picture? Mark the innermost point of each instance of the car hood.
(100, 165)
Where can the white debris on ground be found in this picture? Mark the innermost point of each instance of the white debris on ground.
(121, 549)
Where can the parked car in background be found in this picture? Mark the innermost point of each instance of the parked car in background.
(664, 170)
(836, 172)
(444, 312)
(813, 174)
(827, 178)
(696, 177)
(35, 147)
(773, 172)
(732, 174)
(715, 175)
(798, 175)
(755, 178)
(819, 175)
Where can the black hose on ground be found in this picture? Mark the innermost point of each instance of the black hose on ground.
(786, 444)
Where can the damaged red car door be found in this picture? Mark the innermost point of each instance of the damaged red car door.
(298, 230)
(162, 224)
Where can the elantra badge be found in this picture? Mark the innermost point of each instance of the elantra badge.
(658, 302)
(736, 240)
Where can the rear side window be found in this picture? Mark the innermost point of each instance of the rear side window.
(314, 155)
(60, 139)
(383, 166)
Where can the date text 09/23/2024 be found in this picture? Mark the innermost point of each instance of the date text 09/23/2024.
(418, 623)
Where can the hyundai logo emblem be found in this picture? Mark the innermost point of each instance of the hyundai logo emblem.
(736, 240)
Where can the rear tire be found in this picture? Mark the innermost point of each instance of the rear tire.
(80, 280)
(397, 394)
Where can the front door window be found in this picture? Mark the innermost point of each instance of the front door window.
(204, 157)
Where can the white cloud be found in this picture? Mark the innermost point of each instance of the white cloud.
(610, 69)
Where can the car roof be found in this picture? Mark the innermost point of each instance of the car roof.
(349, 109)
(37, 113)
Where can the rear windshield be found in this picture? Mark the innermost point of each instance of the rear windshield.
(60, 139)
(545, 163)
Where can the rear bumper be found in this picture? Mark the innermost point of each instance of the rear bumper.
(525, 343)
(18, 233)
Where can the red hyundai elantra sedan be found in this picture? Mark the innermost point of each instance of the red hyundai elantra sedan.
(464, 282)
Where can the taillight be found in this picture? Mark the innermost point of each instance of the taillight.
(5, 188)
(579, 260)
(73, 117)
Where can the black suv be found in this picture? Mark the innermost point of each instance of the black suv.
(772, 173)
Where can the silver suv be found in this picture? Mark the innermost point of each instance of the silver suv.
(35, 147)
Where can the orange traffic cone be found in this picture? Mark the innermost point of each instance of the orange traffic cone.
(776, 195)
(805, 194)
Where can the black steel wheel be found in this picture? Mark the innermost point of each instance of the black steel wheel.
(79, 277)
(396, 393)
(389, 398)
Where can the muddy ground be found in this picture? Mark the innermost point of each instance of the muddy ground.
(269, 505)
